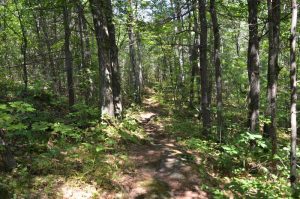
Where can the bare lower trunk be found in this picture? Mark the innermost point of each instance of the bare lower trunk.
(23, 47)
(204, 69)
(68, 56)
(293, 78)
(194, 55)
(116, 78)
(85, 53)
(253, 66)
(217, 63)
(101, 11)
(140, 60)
(133, 59)
(273, 68)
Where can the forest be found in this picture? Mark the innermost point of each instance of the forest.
(149, 99)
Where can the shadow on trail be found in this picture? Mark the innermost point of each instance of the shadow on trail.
(163, 169)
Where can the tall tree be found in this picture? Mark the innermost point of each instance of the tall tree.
(204, 68)
(194, 50)
(253, 65)
(273, 68)
(24, 45)
(102, 37)
(47, 42)
(293, 79)
(217, 63)
(116, 76)
(133, 58)
(85, 52)
(68, 55)
(110, 85)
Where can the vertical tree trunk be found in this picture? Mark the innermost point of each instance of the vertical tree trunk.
(110, 89)
(273, 68)
(237, 40)
(194, 61)
(53, 71)
(293, 79)
(217, 63)
(179, 46)
(41, 46)
(140, 60)
(23, 47)
(116, 76)
(204, 68)
(253, 66)
(132, 53)
(68, 55)
(85, 53)
(57, 61)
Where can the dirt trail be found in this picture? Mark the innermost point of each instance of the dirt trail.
(162, 169)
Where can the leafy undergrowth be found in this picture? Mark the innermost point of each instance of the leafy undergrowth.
(61, 153)
(234, 167)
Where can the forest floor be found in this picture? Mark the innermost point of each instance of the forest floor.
(162, 168)
(156, 151)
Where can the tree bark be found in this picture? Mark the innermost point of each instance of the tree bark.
(253, 66)
(85, 53)
(217, 63)
(140, 59)
(293, 108)
(23, 47)
(132, 53)
(116, 76)
(53, 71)
(110, 86)
(273, 68)
(68, 56)
(194, 61)
(204, 68)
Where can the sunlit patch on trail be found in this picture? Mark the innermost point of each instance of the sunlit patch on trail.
(78, 190)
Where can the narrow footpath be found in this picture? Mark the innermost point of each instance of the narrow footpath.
(161, 169)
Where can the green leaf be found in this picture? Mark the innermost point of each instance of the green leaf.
(40, 126)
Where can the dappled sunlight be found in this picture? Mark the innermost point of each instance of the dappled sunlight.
(78, 190)
(162, 169)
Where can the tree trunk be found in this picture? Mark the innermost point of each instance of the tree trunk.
(217, 63)
(204, 69)
(53, 71)
(110, 92)
(41, 47)
(293, 79)
(140, 60)
(116, 76)
(253, 66)
(23, 46)
(85, 53)
(194, 61)
(132, 53)
(68, 55)
(273, 68)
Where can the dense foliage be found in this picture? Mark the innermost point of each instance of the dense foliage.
(74, 74)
